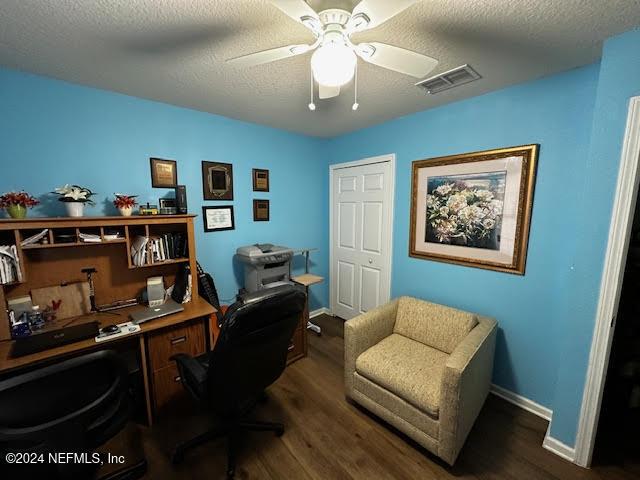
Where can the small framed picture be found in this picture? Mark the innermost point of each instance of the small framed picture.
(164, 173)
(219, 218)
(260, 180)
(217, 181)
(261, 210)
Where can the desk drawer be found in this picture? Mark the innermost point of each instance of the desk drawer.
(189, 339)
(166, 386)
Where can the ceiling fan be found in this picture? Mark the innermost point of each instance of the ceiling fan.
(334, 61)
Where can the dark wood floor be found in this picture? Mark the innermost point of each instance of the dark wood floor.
(329, 438)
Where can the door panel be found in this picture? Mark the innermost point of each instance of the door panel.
(346, 284)
(347, 224)
(372, 227)
(361, 253)
(370, 281)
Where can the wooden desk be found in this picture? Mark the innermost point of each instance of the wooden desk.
(58, 260)
(189, 327)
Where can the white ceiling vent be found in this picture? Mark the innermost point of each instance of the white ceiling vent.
(453, 78)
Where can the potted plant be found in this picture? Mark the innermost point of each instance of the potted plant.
(74, 197)
(16, 203)
(125, 203)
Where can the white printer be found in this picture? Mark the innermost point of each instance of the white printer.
(265, 265)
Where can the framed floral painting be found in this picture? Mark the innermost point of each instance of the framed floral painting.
(474, 209)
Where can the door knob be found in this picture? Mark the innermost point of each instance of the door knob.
(370, 261)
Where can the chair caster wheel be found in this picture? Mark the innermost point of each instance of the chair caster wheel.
(279, 432)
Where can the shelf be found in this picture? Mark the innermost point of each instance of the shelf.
(164, 262)
(40, 246)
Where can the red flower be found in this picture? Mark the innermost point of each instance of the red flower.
(18, 198)
(125, 201)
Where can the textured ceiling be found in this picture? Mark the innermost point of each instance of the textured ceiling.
(174, 51)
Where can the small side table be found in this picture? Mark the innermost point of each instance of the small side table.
(306, 280)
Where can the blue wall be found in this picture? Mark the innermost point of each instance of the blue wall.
(52, 133)
(555, 112)
(619, 79)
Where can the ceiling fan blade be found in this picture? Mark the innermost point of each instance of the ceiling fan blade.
(327, 92)
(267, 56)
(396, 59)
(377, 11)
(301, 12)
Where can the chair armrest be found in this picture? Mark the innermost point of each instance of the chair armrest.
(193, 375)
(362, 333)
(465, 385)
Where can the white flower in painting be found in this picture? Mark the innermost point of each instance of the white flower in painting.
(446, 230)
(496, 206)
(431, 201)
(444, 211)
(468, 194)
(456, 202)
(444, 189)
(471, 214)
(488, 223)
(484, 195)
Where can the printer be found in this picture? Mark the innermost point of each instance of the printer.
(265, 265)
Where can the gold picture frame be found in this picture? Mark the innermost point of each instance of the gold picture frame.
(474, 209)
(164, 173)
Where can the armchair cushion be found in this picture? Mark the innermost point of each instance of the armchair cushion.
(407, 368)
(431, 324)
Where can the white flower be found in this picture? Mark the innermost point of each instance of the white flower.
(430, 200)
(444, 211)
(470, 214)
(484, 195)
(444, 189)
(456, 202)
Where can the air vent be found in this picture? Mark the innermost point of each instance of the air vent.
(453, 78)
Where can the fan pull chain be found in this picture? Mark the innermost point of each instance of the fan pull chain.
(312, 106)
(355, 105)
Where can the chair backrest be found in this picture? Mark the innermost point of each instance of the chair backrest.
(251, 351)
(72, 406)
(434, 325)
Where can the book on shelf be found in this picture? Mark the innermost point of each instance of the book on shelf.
(10, 270)
(158, 248)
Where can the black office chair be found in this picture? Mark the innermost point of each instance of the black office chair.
(72, 406)
(250, 354)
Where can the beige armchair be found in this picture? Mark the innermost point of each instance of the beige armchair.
(422, 367)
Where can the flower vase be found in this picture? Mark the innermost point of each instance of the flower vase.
(74, 209)
(126, 211)
(17, 211)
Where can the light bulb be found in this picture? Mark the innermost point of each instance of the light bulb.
(333, 64)
(312, 106)
(355, 106)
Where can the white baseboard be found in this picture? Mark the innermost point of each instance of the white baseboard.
(522, 402)
(319, 311)
(559, 448)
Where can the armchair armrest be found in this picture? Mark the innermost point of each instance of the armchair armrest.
(465, 385)
(362, 333)
(193, 375)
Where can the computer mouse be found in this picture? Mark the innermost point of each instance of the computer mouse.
(110, 328)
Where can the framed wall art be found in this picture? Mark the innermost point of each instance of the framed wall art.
(164, 173)
(218, 218)
(261, 210)
(260, 179)
(474, 209)
(217, 181)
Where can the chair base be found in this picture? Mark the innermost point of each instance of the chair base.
(231, 432)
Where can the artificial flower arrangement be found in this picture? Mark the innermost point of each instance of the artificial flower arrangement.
(125, 203)
(74, 193)
(16, 203)
(461, 215)
(74, 197)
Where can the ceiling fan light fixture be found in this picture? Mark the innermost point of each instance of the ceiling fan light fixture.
(333, 64)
